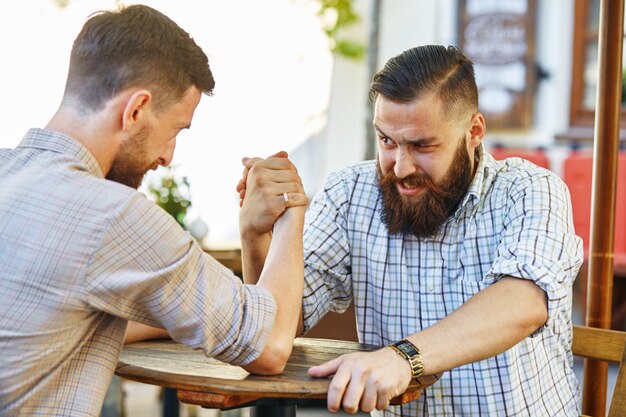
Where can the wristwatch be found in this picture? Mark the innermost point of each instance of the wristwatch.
(411, 353)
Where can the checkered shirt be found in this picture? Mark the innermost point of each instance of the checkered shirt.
(514, 221)
(81, 255)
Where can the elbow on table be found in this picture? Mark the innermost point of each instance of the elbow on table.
(273, 358)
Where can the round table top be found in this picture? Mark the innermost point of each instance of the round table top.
(170, 364)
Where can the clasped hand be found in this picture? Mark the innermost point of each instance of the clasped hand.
(261, 189)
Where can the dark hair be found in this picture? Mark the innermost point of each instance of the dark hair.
(135, 46)
(428, 69)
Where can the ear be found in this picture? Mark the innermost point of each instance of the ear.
(135, 109)
(477, 130)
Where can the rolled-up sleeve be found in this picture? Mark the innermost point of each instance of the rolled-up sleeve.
(328, 283)
(148, 269)
(538, 242)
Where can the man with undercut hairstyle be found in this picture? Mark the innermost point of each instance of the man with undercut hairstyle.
(456, 263)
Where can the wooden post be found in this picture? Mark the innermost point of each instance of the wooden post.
(606, 148)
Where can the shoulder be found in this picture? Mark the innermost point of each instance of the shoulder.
(519, 176)
(356, 184)
(360, 175)
(106, 203)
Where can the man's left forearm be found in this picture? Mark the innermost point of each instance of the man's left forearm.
(488, 324)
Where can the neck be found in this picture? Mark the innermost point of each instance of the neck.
(90, 131)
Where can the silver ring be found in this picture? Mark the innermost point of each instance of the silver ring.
(286, 198)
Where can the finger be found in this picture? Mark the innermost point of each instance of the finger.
(241, 185)
(269, 174)
(353, 393)
(262, 176)
(336, 390)
(279, 163)
(325, 369)
(249, 162)
(244, 175)
(369, 397)
(382, 403)
(295, 200)
(279, 154)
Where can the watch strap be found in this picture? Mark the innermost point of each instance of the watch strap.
(411, 353)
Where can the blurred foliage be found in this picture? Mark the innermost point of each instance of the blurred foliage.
(337, 15)
(172, 195)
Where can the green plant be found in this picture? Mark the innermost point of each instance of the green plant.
(337, 15)
(172, 194)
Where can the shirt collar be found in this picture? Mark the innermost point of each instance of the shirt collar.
(479, 183)
(58, 142)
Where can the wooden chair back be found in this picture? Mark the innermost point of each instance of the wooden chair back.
(608, 346)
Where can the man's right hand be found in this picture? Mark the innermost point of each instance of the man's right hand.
(261, 189)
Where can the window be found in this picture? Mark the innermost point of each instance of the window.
(499, 37)
(585, 65)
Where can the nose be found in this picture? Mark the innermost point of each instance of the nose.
(168, 154)
(404, 164)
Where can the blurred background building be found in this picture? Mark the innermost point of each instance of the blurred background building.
(279, 86)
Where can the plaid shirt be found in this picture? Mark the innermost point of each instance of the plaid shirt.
(515, 220)
(79, 257)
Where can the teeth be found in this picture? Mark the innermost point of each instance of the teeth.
(409, 186)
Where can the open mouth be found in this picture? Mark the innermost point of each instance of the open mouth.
(409, 188)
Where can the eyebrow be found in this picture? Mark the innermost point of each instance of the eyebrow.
(416, 142)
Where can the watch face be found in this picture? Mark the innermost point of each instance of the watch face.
(406, 348)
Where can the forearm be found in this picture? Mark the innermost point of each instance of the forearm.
(488, 324)
(283, 276)
(137, 331)
(254, 251)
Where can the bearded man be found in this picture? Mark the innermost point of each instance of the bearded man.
(456, 262)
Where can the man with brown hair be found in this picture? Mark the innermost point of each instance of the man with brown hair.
(455, 262)
(83, 252)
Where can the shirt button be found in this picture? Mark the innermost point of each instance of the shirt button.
(437, 395)
(431, 288)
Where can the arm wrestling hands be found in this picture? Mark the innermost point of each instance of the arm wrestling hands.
(263, 186)
(273, 211)
(262, 189)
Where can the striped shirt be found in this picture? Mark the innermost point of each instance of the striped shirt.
(515, 221)
(81, 255)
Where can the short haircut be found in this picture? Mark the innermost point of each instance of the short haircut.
(135, 46)
(428, 69)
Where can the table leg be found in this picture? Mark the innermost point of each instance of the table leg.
(171, 406)
(273, 411)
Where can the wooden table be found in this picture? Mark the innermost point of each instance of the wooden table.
(212, 384)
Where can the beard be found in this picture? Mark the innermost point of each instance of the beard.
(129, 166)
(423, 215)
